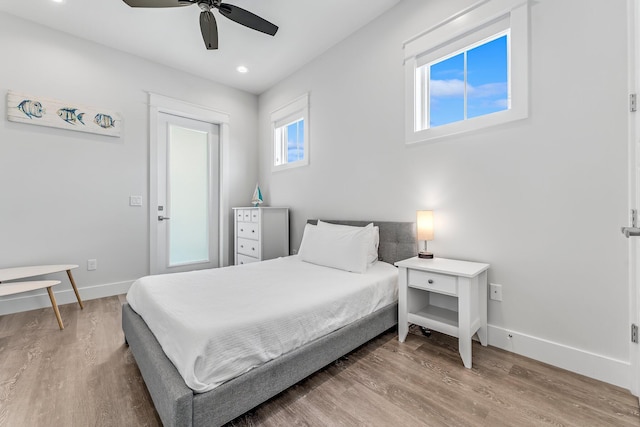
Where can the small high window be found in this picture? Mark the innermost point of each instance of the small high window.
(469, 84)
(468, 72)
(290, 134)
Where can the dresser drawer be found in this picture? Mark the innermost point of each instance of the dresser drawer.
(428, 281)
(239, 215)
(244, 259)
(248, 230)
(248, 247)
(255, 215)
(247, 215)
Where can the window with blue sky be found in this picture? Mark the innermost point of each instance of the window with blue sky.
(472, 83)
(290, 125)
(468, 72)
(295, 141)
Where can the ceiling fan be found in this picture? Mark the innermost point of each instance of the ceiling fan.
(208, 25)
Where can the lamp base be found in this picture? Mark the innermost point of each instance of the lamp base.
(425, 254)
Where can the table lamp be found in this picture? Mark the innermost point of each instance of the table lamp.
(424, 224)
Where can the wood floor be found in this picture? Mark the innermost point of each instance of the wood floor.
(86, 376)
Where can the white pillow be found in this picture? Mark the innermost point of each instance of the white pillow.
(336, 247)
(372, 252)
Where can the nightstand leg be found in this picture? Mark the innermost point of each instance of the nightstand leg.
(482, 309)
(464, 320)
(403, 325)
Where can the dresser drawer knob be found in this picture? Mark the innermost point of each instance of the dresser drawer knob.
(430, 281)
(242, 229)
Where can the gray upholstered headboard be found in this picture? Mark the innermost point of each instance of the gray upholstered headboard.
(397, 239)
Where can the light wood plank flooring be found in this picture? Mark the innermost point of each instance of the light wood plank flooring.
(85, 376)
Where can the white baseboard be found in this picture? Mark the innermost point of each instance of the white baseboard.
(32, 301)
(599, 367)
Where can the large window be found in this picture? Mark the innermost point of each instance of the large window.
(468, 72)
(290, 134)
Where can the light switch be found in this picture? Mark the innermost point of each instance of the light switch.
(135, 200)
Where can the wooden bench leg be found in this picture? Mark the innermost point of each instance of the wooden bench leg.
(75, 289)
(55, 307)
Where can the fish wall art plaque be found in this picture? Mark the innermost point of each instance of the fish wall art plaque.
(41, 111)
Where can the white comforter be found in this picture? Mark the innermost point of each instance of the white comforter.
(217, 324)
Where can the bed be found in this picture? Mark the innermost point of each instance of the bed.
(178, 405)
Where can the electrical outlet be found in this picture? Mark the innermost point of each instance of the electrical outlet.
(92, 264)
(495, 292)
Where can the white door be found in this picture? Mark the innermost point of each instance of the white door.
(185, 211)
(634, 188)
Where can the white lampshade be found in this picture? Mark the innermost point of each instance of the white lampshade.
(424, 224)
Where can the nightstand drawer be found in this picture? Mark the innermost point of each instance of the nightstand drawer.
(243, 259)
(428, 281)
(248, 247)
(248, 230)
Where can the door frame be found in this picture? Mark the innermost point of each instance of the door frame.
(633, 54)
(163, 104)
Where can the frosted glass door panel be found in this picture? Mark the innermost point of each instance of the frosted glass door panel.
(187, 183)
(188, 196)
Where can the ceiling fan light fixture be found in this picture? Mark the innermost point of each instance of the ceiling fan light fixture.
(208, 25)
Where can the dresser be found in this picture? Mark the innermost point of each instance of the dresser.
(260, 233)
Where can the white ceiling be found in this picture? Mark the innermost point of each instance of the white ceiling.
(171, 36)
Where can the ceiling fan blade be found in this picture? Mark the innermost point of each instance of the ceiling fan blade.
(209, 30)
(158, 3)
(248, 19)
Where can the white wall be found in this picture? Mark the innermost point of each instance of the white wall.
(64, 195)
(541, 200)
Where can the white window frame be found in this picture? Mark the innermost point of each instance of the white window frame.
(284, 116)
(481, 21)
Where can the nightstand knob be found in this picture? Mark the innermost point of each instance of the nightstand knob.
(430, 281)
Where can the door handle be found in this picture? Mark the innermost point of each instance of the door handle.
(162, 218)
(630, 231)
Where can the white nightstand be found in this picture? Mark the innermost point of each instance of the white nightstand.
(444, 295)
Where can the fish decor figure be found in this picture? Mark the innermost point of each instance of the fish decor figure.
(104, 121)
(69, 115)
(31, 109)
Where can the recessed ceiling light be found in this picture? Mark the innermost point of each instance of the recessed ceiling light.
(58, 1)
(242, 69)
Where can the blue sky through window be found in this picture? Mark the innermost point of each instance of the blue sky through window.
(295, 141)
(486, 83)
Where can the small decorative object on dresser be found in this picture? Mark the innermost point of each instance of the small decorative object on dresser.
(261, 233)
(257, 197)
(444, 295)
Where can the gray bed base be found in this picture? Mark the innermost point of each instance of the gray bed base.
(176, 403)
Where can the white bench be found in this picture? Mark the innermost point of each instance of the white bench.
(19, 287)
